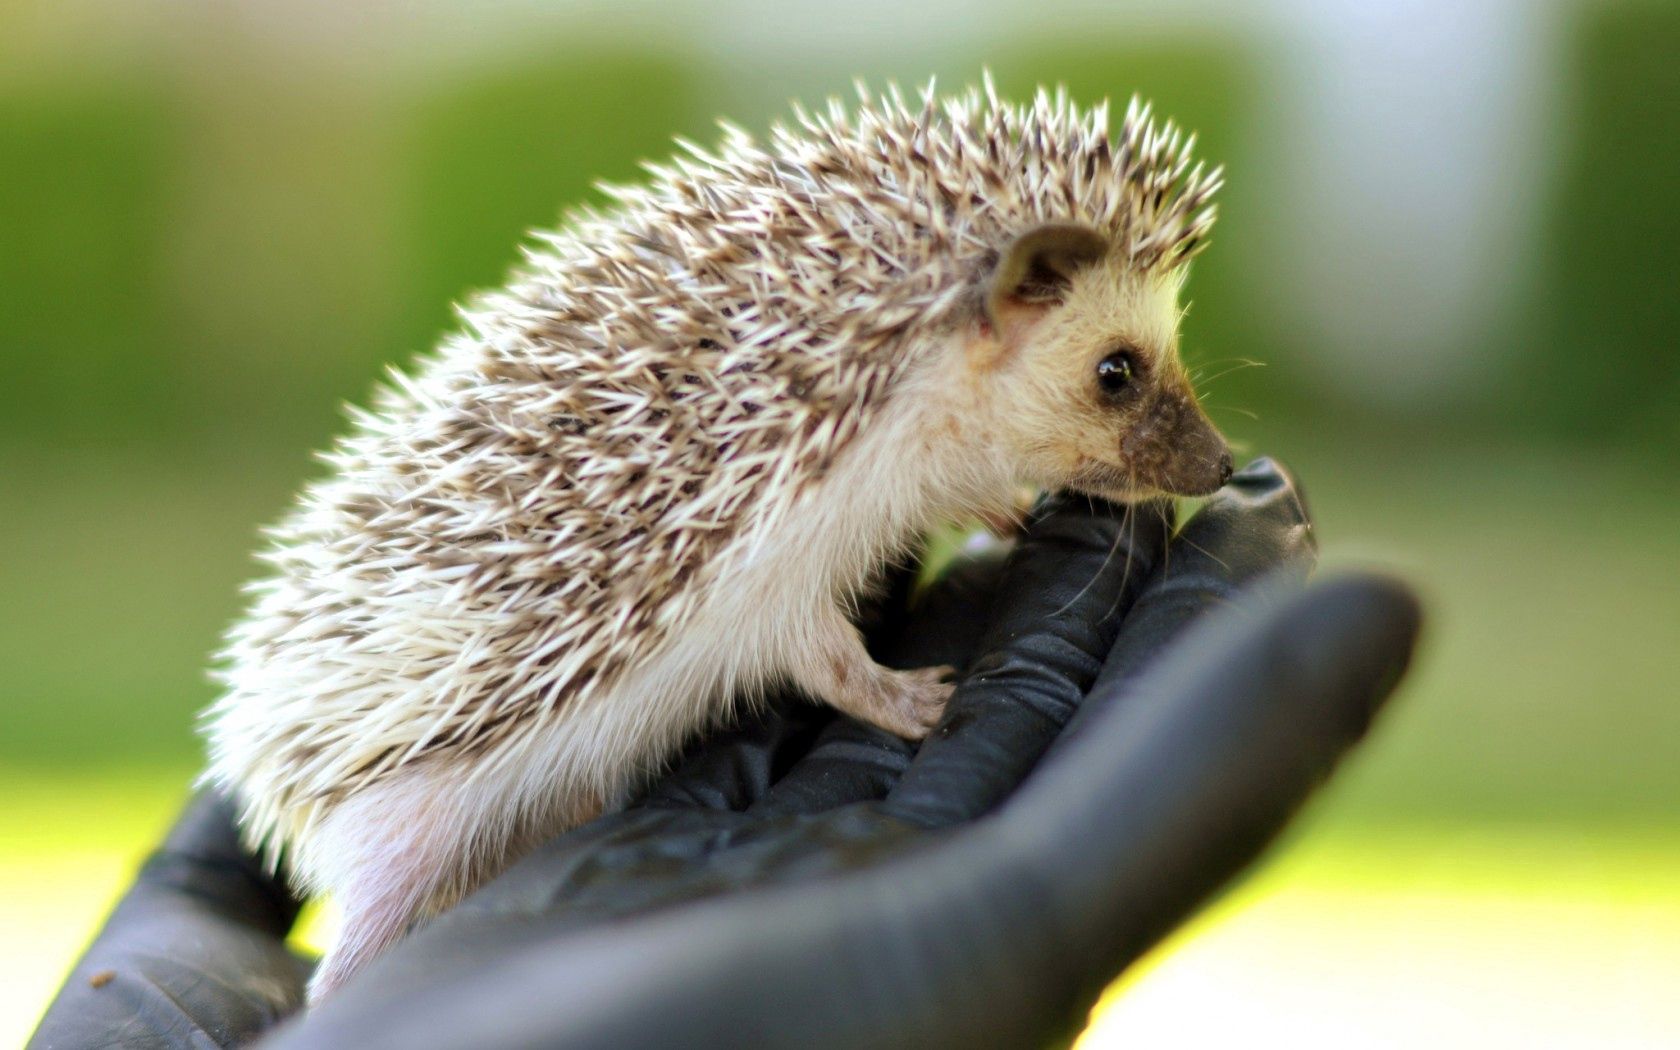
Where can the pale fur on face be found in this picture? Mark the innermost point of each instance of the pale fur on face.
(1035, 368)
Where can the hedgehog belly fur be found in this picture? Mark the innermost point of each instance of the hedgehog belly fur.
(419, 838)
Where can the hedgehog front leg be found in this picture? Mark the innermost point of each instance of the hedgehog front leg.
(836, 667)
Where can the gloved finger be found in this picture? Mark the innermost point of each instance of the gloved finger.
(1056, 611)
(1168, 795)
(1256, 525)
(194, 953)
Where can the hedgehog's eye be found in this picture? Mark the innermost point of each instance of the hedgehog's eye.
(1115, 372)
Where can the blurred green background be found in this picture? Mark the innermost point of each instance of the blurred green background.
(1450, 234)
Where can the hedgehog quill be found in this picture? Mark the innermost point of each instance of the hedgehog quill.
(655, 470)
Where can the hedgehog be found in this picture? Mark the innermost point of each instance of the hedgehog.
(652, 475)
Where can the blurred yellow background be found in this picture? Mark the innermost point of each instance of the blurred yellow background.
(1450, 233)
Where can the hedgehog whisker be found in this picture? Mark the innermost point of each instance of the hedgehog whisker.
(1129, 524)
(1203, 550)
(1200, 378)
(1244, 412)
(1107, 558)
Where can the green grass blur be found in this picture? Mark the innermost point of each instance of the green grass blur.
(206, 247)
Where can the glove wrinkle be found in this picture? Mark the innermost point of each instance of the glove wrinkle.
(849, 763)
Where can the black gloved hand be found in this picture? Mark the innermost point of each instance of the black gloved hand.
(806, 881)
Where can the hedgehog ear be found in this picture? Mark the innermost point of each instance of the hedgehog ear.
(1037, 267)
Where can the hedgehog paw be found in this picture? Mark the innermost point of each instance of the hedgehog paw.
(910, 703)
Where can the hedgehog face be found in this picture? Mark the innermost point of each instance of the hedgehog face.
(1083, 352)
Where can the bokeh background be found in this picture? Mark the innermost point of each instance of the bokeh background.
(1452, 236)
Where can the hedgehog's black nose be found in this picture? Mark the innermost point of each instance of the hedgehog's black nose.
(1225, 467)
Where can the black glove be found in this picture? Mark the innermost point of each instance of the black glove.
(807, 881)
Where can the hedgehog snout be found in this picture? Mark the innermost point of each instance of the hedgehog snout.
(1176, 448)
